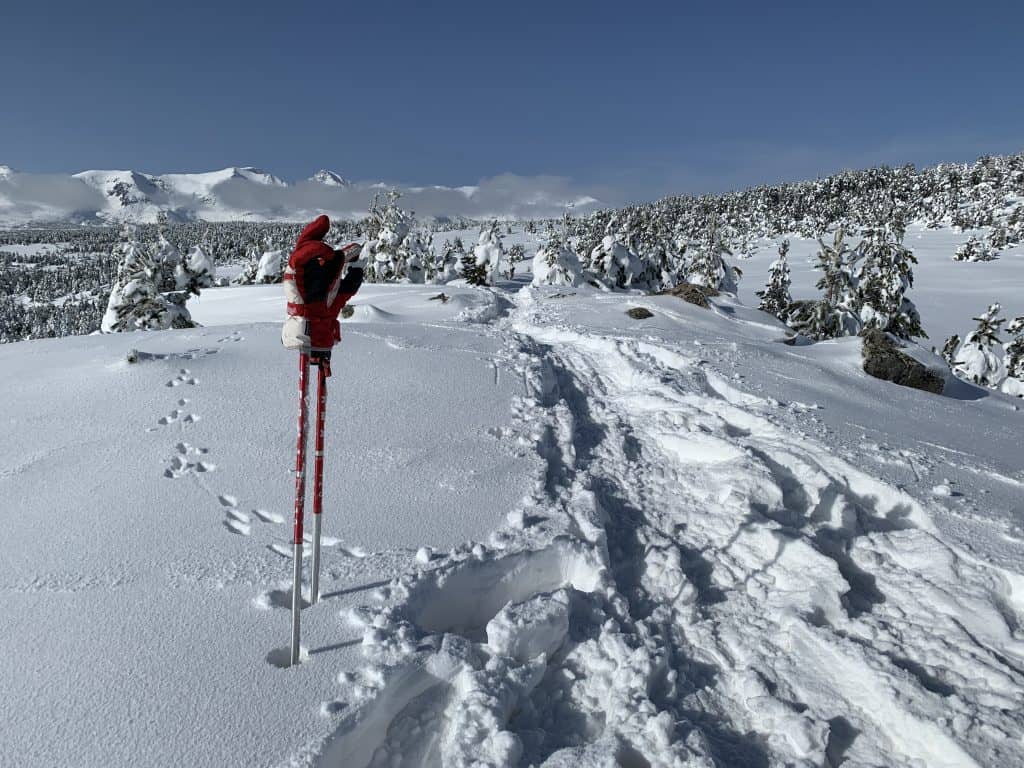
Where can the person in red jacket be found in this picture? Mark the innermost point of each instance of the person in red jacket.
(318, 282)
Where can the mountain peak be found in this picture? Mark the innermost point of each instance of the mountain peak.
(256, 174)
(330, 178)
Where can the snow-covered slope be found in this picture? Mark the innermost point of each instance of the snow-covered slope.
(245, 193)
(558, 536)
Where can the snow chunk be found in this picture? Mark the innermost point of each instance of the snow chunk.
(531, 628)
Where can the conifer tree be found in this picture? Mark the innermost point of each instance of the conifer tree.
(836, 313)
(194, 272)
(708, 267)
(1013, 356)
(612, 258)
(450, 262)
(555, 263)
(489, 252)
(949, 349)
(776, 298)
(974, 250)
(135, 302)
(387, 228)
(978, 358)
(516, 254)
(473, 271)
(252, 264)
(884, 275)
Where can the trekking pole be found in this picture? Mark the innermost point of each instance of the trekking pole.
(323, 363)
(300, 500)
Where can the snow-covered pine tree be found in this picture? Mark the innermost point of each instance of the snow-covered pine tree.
(195, 272)
(386, 230)
(837, 312)
(776, 298)
(416, 256)
(979, 359)
(516, 254)
(430, 261)
(949, 349)
(1013, 356)
(612, 258)
(974, 250)
(166, 261)
(884, 274)
(489, 252)
(272, 263)
(450, 263)
(474, 272)
(135, 302)
(252, 264)
(556, 264)
(708, 267)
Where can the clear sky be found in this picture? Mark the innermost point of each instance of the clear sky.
(637, 99)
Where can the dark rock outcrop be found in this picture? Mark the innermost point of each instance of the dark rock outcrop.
(694, 294)
(639, 313)
(883, 360)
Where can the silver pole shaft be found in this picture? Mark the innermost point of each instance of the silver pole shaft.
(314, 586)
(296, 600)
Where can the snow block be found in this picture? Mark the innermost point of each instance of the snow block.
(536, 626)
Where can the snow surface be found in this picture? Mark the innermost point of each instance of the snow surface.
(557, 536)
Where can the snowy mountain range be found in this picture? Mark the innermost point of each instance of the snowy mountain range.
(248, 193)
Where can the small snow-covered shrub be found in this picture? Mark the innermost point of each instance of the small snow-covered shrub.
(974, 250)
(556, 264)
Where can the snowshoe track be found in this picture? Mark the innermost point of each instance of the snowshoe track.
(690, 584)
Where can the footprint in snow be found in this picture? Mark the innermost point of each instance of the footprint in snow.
(235, 520)
(186, 460)
(169, 418)
(184, 377)
(238, 516)
(242, 529)
(268, 517)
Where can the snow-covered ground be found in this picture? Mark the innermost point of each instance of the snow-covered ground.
(558, 536)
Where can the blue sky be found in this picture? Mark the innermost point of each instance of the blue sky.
(634, 100)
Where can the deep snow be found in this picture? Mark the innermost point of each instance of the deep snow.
(558, 535)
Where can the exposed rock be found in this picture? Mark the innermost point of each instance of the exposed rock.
(883, 360)
(639, 313)
(694, 294)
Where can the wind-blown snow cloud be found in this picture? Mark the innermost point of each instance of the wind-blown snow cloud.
(27, 197)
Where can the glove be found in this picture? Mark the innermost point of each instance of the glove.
(353, 256)
(293, 334)
(313, 286)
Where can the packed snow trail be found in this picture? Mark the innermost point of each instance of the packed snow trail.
(690, 583)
